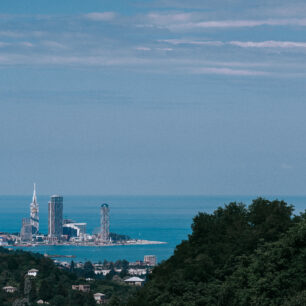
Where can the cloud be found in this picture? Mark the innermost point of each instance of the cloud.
(228, 71)
(241, 23)
(149, 49)
(53, 44)
(242, 44)
(71, 60)
(269, 44)
(191, 42)
(169, 18)
(27, 44)
(192, 21)
(11, 34)
(164, 49)
(143, 48)
(103, 16)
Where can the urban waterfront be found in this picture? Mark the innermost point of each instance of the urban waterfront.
(158, 218)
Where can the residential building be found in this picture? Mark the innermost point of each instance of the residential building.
(150, 260)
(137, 263)
(134, 281)
(134, 271)
(100, 298)
(41, 302)
(104, 272)
(83, 288)
(9, 289)
(104, 230)
(33, 272)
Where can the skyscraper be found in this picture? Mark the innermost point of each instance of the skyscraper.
(104, 223)
(55, 214)
(26, 230)
(34, 213)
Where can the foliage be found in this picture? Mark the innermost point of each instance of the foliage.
(237, 255)
(118, 237)
(51, 283)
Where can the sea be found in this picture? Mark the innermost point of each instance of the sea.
(158, 218)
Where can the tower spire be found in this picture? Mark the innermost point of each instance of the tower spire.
(34, 200)
(34, 212)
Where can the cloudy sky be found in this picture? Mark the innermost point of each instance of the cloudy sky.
(153, 97)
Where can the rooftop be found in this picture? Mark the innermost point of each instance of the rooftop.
(134, 279)
(99, 294)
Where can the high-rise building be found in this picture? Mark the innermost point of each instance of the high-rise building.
(104, 234)
(55, 214)
(150, 260)
(26, 230)
(34, 213)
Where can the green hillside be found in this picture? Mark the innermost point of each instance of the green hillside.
(238, 255)
(51, 284)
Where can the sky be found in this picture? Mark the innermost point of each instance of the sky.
(153, 97)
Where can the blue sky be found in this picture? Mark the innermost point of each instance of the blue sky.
(153, 97)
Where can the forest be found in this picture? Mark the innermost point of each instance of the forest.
(237, 255)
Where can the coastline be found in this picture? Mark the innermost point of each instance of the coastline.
(94, 244)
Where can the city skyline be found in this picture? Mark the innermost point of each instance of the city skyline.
(157, 97)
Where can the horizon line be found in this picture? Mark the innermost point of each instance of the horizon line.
(162, 195)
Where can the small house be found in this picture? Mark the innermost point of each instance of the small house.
(135, 281)
(104, 272)
(9, 289)
(83, 288)
(99, 298)
(33, 272)
(42, 302)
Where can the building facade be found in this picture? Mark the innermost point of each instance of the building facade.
(34, 213)
(150, 260)
(26, 230)
(104, 231)
(55, 217)
(74, 229)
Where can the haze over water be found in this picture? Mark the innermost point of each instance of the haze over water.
(158, 218)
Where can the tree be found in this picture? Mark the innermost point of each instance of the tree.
(72, 266)
(58, 300)
(270, 219)
(33, 292)
(234, 256)
(45, 290)
(115, 301)
(88, 269)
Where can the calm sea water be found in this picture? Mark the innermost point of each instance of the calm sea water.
(161, 218)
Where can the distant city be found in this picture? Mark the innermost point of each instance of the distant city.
(62, 230)
(65, 231)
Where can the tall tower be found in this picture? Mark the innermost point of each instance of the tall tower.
(55, 217)
(26, 230)
(104, 223)
(34, 213)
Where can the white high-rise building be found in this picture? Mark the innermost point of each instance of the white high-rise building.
(34, 212)
(104, 231)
